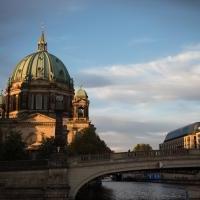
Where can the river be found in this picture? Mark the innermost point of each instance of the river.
(111, 190)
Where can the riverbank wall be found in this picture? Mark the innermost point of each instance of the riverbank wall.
(33, 180)
(189, 177)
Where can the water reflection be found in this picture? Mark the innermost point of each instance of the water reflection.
(140, 191)
(101, 193)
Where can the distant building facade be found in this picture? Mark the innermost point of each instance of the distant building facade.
(187, 137)
(40, 85)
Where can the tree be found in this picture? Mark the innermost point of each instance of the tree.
(88, 142)
(142, 147)
(13, 148)
(47, 147)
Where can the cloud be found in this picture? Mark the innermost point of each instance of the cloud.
(116, 140)
(129, 125)
(122, 133)
(171, 78)
(140, 103)
(92, 81)
(193, 46)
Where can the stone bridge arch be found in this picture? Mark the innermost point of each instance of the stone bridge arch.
(81, 172)
(80, 175)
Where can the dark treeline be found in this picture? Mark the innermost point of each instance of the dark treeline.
(85, 142)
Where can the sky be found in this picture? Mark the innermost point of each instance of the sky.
(139, 61)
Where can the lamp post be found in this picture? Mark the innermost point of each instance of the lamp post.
(60, 136)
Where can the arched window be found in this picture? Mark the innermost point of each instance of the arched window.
(23, 100)
(38, 102)
(80, 112)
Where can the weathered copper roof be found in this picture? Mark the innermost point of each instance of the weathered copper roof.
(41, 65)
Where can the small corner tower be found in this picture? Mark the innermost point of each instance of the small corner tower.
(81, 105)
(80, 114)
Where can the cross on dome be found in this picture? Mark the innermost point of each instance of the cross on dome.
(42, 44)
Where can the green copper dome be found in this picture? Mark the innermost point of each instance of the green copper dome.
(41, 65)
(81, 93)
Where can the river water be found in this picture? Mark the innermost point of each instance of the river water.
(140, 191)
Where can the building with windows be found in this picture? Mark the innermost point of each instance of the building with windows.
(39, 85)
(187, 137)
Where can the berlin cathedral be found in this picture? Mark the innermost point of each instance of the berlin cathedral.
(39, 86)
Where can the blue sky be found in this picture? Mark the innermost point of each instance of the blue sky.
(138, 60)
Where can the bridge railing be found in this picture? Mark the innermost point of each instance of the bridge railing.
(88, 157)
(138, 155)
(61, 161)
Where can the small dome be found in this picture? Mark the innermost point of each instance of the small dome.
(41, 65)
(81, 93)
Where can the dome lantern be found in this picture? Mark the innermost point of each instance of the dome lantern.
(42, 44)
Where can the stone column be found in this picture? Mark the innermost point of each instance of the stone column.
(191, 141)
(17, 102)
(198, 140)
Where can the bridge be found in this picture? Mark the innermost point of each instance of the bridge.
(62, 179)
(88, 167)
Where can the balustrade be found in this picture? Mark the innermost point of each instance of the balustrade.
(109, 157)
(154, 154)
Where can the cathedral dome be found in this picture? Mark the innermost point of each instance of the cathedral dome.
(81, 93)
(41, 65)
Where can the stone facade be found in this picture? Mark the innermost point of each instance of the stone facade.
(192, 141)
(37, 184)
(174, 144)
(39, 87)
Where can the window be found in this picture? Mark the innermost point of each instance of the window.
(32, 101)
(23, 100)
(38, 102)
(80, 112)
(45, 102)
